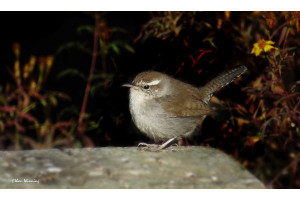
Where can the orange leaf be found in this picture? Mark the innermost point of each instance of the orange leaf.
(277, 89)
(241, 121)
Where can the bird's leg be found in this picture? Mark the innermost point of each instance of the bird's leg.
(156, 147)
(165, 144)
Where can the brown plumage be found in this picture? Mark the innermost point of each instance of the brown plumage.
(163, 107)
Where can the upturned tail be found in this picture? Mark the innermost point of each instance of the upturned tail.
(221, 81)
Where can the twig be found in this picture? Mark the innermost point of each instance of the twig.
(80, 127)
(278, 29)
(290, 165)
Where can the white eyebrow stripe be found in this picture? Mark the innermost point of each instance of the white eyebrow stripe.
(154, 82)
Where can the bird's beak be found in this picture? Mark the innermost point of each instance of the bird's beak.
(128, 85)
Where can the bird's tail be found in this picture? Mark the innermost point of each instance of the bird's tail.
(221, 81)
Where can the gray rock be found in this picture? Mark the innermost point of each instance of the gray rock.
(117, 167)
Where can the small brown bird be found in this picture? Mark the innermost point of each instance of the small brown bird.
(166, 109)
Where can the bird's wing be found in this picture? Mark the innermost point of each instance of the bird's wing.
(181, 106)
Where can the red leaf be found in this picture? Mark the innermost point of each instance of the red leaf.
(206, 51)
(179, 67)
(28, 117)
(186, 44)
(21, 128)
(199, 71)
(36, 94)
(63, 124)
(194, 62)
(9, 123)
(201, 54)
(7, 109)
(18, 126)
(251, 109)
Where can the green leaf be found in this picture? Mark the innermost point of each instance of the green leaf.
(210, 40)
(87, 28)
(29, 107)
(129, 48)
(92, 125)
(71, 72)
(70, 110)
(115, 48)
(117, 44)
(43, 102)
(120, 30)
(53, 100)
(95, 87)
(103, 50)
(289, 49)
(207, 25)
(76, 45)
(60, 95)
(102, 76)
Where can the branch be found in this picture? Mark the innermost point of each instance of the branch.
(80, 127)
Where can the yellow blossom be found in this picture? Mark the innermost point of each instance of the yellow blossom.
(262, 45)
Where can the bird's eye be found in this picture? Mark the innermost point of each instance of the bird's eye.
(146, 87)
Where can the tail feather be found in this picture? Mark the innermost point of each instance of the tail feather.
(221, 81)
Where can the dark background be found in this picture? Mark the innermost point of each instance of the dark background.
(43, 33)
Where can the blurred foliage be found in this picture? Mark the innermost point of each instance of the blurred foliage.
(273, 103)
(101, 75)
(165, 25)
(26, 109)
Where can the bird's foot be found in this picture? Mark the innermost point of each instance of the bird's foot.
(156, 147)
(148, 147)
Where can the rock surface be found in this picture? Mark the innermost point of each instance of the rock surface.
(117, 167)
